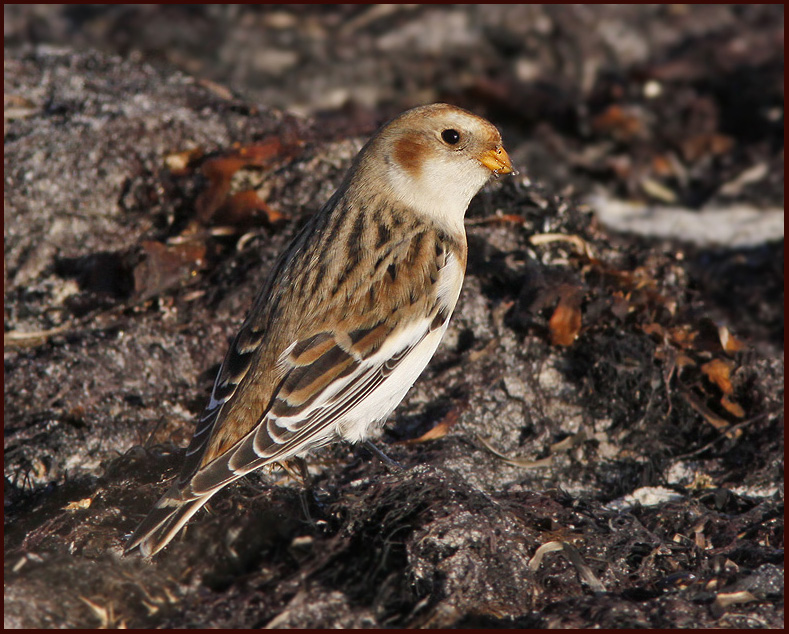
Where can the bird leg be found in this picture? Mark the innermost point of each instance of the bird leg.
(297, 469)
(392, 464)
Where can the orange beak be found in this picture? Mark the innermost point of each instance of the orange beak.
(497, 161)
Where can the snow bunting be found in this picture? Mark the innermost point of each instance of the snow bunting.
(351, 313)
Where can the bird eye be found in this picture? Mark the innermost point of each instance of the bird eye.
(450, 136)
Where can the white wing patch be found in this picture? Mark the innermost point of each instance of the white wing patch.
(344, 391)
(381, 392)
(376, 407)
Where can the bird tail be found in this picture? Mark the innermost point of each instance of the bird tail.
(171, 512)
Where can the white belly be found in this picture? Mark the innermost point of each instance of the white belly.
(376, 407)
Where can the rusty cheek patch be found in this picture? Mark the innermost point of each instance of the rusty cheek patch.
(410, 154)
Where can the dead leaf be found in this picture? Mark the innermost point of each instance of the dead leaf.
(218, 89)
(581, 244)
(683, 336)
(683, 360)
(735, 409)
(570, 442)
(662, 166)
(654, 329)
(439, 431)
(753, 174)
(706, 144)
(21, 339)
(728, 341)
(219, 171)
(565, 323)
(78, 504)
(165, 266)
(711, 417)
(240, 208)
(585, 572)
(725, 599)
(719, 372)
(620, 123)
(658, 190)
(180, 163)
(514, 219)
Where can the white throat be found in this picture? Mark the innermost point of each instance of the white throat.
(440, 191)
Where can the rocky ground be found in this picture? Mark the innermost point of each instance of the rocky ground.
(597, 443)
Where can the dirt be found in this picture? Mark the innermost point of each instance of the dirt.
(598, 441)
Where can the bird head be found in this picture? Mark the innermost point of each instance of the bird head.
(433, 159)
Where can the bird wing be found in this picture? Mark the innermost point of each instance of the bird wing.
(337, 362)
(311, 401)
(323, 384)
